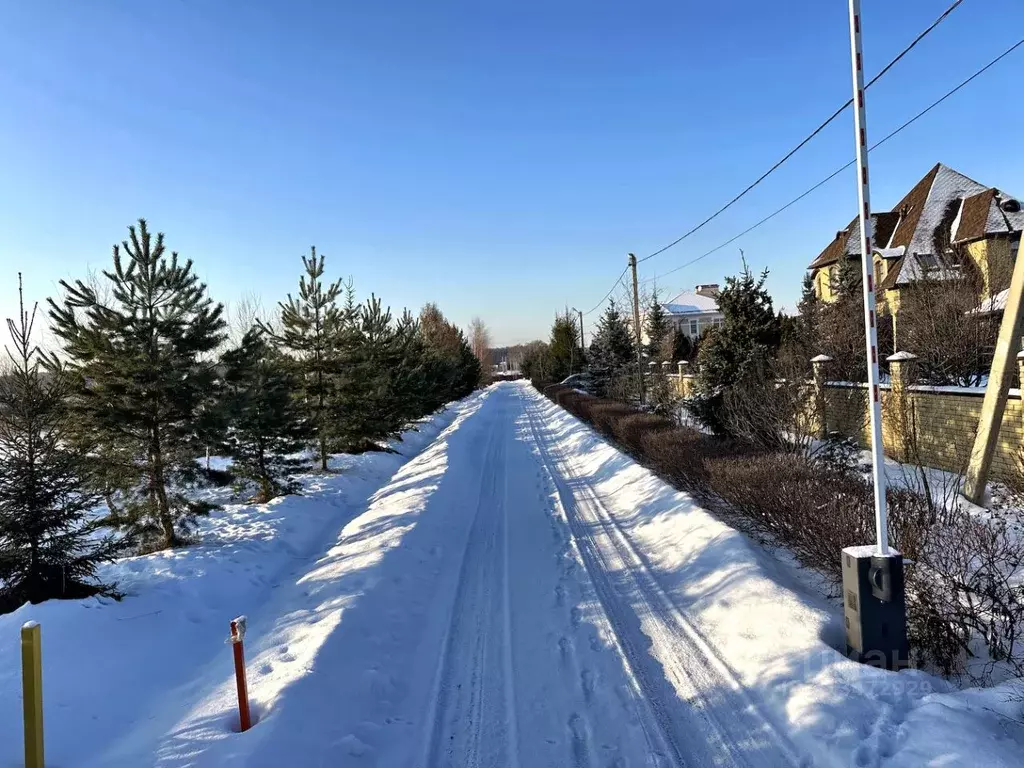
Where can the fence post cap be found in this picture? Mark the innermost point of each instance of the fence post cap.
(1020, 355)
(30, 625)
(901, 357)
(821, 359)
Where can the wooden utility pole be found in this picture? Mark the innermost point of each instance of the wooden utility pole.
(583, 343)
(997, 390)
(636, 328)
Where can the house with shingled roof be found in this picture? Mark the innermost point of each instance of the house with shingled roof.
(945, 219)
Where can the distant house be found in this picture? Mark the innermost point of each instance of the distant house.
(945, 218)
(693, 312)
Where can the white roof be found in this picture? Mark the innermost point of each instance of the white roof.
(690, 303)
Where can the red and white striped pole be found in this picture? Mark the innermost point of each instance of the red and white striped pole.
(867, 264)
(237, 636)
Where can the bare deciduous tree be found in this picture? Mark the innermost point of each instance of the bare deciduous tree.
(243, 315)
(939, 322)
(480, 342)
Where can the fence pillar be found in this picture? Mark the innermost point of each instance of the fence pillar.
(901, 428)
(819, 365)
(1020, 372)
(682, 367)
(689, 384)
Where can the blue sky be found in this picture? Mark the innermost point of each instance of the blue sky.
(498, 158)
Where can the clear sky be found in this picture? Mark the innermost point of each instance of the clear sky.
(499, 158)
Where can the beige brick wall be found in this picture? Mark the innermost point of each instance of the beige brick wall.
(944, 424)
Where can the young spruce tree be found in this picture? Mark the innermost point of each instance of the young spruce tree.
(310, 329)
(657, 328)
(744, 347)
(265, 422)
(612, 348)
(564, 356)
(49, 548)
(139, 357)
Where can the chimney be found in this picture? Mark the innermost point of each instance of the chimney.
(709, 290)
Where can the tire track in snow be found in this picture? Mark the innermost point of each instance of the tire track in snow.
(473, 722)
(661, 751)
(678, 662)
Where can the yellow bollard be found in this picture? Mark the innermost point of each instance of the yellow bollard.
(32, 686)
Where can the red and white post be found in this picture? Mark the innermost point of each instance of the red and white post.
(236, 640)
(874, 599)
(867, 264)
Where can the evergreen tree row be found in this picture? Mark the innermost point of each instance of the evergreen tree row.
(142, 385)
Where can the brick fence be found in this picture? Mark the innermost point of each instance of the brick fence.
(936, 425)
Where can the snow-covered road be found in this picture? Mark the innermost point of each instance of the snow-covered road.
(521, 594)
(492, 613)
(486, 611)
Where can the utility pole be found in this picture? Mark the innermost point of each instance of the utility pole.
(572, 347)
(636, 328)
(583, 342)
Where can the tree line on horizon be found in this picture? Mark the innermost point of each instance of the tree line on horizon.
(611, 358)
(145, 379)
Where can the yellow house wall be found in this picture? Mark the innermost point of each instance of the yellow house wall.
(992, 259)
(823, 284)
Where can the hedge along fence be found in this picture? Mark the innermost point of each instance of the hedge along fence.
(964, 575)
(943, 419)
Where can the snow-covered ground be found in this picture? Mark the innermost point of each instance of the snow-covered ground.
(518, 594)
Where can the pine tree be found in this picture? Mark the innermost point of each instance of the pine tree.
(657, 328)
(677, 346)
(310, 328)
(367, 407)
(139, 358)
(411, 380)
(750, 333)
(266, 425)
(564, 348)
(449, 360)
(48, 546)
(612, 348)
(743, 347)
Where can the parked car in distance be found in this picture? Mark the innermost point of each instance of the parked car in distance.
(581, 381)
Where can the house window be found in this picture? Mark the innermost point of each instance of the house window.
(879, 273)
(694, 329)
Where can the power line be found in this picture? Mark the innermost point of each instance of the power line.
(810, 136)
(835, 173)
(610, 292)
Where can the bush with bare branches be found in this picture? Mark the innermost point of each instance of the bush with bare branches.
(965, 573)
(630, 430)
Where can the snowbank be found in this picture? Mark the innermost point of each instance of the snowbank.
(111, 669)
(779, 638)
